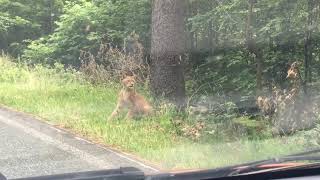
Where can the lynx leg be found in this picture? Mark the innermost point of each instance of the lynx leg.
(116, 110)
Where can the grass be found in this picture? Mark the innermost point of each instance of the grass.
(65, 99)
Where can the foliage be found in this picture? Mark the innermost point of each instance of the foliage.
(217, 36)
(23, 20)
(55, 37)
(112, 64)
(63, 98)
(85, 25)
(13, 74)
(231, 74)
(279, 29)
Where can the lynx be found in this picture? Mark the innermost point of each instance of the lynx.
(129, 99)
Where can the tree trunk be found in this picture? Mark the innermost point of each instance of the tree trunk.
(308, 44)
(190, 37)
(4, 44)
(252, 46)
(195, 11)
(51, 4)
(210, 37)
(210, 31)
(167, 50)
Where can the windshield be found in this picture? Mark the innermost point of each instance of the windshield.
(160, 85)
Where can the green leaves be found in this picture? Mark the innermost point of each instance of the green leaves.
(85, 24)
(21, 20)
(46, 31)
(5, 23)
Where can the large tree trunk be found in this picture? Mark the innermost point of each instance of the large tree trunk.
(190, 34)
(168, 49)
(252, 46)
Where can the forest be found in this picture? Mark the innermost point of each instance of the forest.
(225, 76)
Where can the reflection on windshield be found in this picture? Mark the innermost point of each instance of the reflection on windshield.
(157, 84)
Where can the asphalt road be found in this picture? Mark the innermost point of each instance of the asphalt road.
(29, 147)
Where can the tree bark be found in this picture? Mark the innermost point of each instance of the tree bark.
(51, 5)
(211, 33)
(252, 46)
(190, 36)
(308, 44)
(167, 50)
(210, 37)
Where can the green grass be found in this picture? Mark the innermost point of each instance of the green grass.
(66, 100)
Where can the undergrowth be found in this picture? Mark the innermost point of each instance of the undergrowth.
(63, 97)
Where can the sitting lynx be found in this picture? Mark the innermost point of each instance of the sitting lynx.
(130, 99)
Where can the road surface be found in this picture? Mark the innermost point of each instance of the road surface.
(29, 147)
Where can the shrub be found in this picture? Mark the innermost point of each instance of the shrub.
(111, 64)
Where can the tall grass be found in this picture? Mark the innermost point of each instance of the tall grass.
(64, 98)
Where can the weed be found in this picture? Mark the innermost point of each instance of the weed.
(65, 98)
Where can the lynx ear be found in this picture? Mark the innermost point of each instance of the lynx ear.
(124, 74)
(296, 63)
